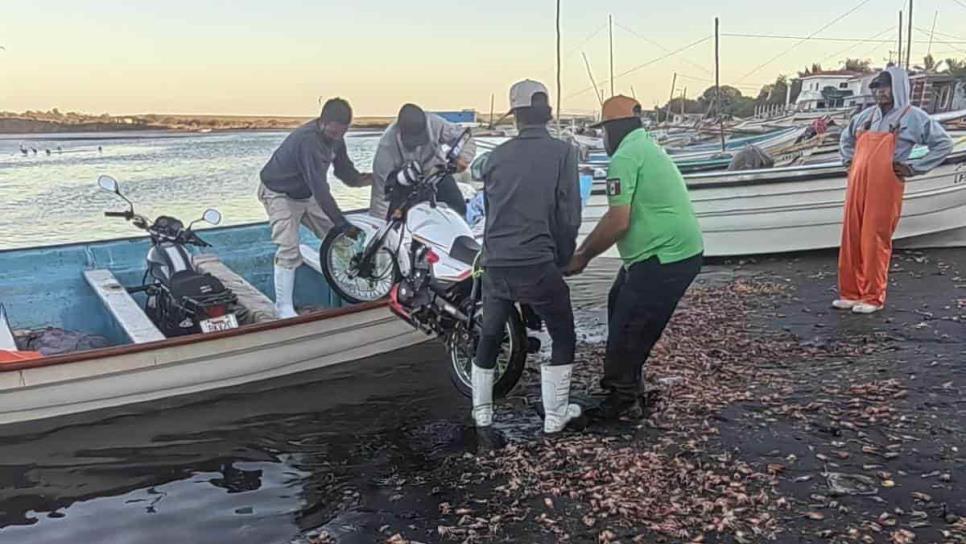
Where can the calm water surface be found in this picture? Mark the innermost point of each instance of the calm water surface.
(258, 466)
(54, 199)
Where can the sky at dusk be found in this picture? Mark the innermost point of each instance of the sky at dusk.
(279, 57)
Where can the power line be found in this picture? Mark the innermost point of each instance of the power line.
(646, 64)
(589, 37)
(803, 40)
(851, 47)
(658, 45)
(961, 3)
(821, 39)
(949, 43)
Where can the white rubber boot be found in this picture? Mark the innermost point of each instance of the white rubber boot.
(284, 287)
(482, 381)
(555, 389)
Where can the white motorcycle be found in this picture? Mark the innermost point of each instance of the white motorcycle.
(424, 258)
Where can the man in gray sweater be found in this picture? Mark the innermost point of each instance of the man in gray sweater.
(295, 191)
(416, 140)
(532, 201)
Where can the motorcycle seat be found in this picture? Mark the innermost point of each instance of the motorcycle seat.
(198, 286)
(465, 249)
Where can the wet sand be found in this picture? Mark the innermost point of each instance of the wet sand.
(772, 418)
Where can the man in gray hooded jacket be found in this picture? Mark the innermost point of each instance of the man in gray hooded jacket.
(877, 147)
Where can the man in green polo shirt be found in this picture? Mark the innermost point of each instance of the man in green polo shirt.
(657, 235)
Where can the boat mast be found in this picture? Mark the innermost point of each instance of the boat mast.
(909, 40)
(590, 74)
(558, 68)
(717, 84)
(932, 33)
(667, 113)
(610, 23)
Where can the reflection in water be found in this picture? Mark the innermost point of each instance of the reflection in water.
(254, 466)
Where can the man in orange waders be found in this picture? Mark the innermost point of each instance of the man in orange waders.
(876, 147)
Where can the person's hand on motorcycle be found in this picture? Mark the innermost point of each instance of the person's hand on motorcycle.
(353, 232)
(903, 171)
(577, 264)
(409, 174)
(364, 180)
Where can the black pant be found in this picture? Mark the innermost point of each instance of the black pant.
(639, 306)
(449, 192)
(542, 287)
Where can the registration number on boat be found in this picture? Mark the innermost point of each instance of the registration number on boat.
(222, 323)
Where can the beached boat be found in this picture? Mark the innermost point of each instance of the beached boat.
(799, 208)
(78, 287)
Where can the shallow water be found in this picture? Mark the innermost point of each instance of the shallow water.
(50, 199)
(257, 466)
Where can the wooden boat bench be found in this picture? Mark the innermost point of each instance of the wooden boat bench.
(123, 307)
(260, 308)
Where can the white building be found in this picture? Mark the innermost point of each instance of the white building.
(814, 96)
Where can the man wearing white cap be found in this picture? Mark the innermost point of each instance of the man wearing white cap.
(532, 201)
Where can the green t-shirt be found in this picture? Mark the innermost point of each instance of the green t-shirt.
(663, 223)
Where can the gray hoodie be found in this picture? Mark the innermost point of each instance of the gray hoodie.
(391, 155)
(915, 128)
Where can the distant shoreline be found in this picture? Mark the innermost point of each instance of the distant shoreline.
(38, 124)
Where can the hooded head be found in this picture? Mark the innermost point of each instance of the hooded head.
(413, 130)
(891, 88)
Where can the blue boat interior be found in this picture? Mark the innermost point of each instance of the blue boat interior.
(45, 286)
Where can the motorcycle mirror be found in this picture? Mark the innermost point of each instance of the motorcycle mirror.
(457, 146)
(211, 216)
(109, 184)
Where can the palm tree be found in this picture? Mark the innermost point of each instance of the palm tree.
(956, 67)
(863, 66)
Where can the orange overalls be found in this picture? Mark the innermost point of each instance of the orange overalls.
(873, 203)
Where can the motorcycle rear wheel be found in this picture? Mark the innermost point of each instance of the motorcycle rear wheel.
(336, 256)
(509, 365)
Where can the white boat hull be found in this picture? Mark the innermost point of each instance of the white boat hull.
(128, 375)
(746, 214)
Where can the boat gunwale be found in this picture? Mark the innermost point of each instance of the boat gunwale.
(127, 349)
(785, 174)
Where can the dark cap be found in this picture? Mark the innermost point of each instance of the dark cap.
(412, 126)
(884, 79)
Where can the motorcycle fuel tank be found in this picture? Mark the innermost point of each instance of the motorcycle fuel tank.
(438, 227)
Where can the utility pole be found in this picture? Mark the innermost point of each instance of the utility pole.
(590, 74)
(684, 99)
(717, 83)
(633, 93)
(492, 106)
(610, 22)
(900, 39)
(667, 114)
(909, 40)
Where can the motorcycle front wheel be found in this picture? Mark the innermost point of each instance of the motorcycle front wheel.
(339, 257)
(509, 364)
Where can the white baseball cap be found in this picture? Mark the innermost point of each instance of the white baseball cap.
(521, 93)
